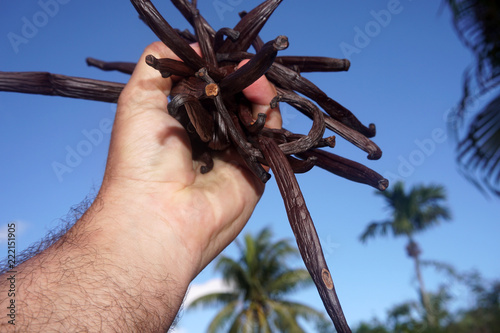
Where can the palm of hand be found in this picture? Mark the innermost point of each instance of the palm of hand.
(151, 156)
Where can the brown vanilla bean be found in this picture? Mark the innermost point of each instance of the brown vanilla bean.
(209, 162)
(208, 101)
(330, 141)
(258, 125)
(124, 67)
(304, 231)
(314, 64)
(253, 126)
(301, 166)
(168, 67)
(220, 140)
(198, 132)
(201, 120)
(187, 11)
(191, 85)
(206, 43)
(254, 154)
(317, 128)
(233, 35)
(245, 149)
(356, 138)
(167, 34)
(321, 143)
(43, 83)
(234, 134)
(174, 109)
(344, 131)
(245, 112)
(255, 68)
(282, 135)
(297, 64)
(234, 56)
(291, 80)
(187, 35)
(257, 43)
(346, 168)
(250, 26)
(347, 133)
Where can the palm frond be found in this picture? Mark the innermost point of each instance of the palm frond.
(221, 320)
(265, 235)
(479, 151)
(211, 300)
(249, 257)
(431, 215)
(274, 259)
(430, 210)
(477, 23)
(289, 281)
(250, 322)
(412, 211)
(261, 275)
(280, 249)
(238, 322)
(429, 193)
(261, 319)
(284, 317)
(376, 228)
(233, 271)
(301, 311)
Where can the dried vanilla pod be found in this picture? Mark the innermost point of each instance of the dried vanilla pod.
(43, 83)
(250, 25)
(304, 231)
(219, 37)
(169, 67)
(255, 68)
(208, 101)
(124, 67)
(314, 64)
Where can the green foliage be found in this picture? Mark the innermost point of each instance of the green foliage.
(478, 25)
(483, 316)
(479, 150)
(413, 211)
(261, 280)
(374, 327)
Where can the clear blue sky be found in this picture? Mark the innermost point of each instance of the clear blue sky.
(405, 78)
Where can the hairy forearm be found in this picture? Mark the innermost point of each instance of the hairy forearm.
(94, 278)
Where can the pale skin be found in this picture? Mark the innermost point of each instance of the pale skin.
(154, 225)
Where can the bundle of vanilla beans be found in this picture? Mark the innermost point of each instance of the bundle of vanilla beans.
(209, 103)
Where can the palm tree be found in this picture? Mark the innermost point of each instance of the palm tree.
(412, 212)
(477, 23)
(261, 278)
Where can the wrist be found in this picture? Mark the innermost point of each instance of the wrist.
(130, 234)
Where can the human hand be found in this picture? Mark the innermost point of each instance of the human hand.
(154, 225)
(150, 174)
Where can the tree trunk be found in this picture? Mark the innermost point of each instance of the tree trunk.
(413, 251)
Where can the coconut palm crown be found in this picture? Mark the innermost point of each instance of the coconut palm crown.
(412, 212)
(261, 279)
